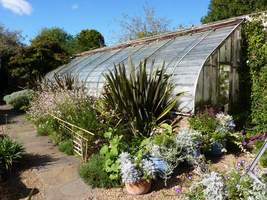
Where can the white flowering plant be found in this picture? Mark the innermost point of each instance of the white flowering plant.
(189, 140)
(234, 185)
(169, 149)
(214, 188)
(217, 132)
(225, 122)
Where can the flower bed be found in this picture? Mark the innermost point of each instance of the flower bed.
(136, 141)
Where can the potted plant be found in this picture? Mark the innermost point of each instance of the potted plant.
(224, 127)
(136, 175)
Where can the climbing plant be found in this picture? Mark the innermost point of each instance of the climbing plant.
(253, 72)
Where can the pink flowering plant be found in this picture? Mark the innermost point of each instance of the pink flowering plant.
(71, 105)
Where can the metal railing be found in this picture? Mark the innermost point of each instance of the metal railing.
(80, 143)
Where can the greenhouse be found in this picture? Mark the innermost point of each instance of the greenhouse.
(202, 62)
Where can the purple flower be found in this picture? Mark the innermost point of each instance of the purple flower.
(178, 189)
(243, 132)
(244, 143)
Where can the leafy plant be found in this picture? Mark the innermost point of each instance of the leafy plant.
(93, 172)
(46, 126)
(204, 123)
(10, 152)
(241, 186)
(111, 152)
(66, 147)
(189, 140)
(129, 171)
(20, 100)
(141, 99)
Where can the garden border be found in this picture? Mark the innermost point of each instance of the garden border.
(80, 143)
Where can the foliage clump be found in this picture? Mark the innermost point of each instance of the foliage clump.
(93, 172)
(256, 38)
(89, 39)
(141, 99)
(223, 9)
(66, 147)
(10, 153)
(218, 132)
(20, 100)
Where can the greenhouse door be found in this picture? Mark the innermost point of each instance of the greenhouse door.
(224, 85)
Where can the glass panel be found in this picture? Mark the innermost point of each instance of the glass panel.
(224, 84)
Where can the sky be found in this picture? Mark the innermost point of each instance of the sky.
(30, 16)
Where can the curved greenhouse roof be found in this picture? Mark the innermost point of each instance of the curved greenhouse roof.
(184, 53)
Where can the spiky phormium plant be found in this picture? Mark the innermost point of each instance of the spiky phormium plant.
(142, 99)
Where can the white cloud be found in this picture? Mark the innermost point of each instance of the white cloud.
(74, 6)
(20, 7)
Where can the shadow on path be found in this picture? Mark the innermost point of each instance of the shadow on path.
(14, 188)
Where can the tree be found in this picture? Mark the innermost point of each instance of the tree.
(89, 39)
(222, 9)
(35, 61)
(139, 27)
(56, 35)
(9, 43)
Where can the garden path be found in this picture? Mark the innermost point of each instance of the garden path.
(57, 172)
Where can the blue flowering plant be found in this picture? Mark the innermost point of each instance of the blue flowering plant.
(134, 170)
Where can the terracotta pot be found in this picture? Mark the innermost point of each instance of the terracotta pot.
(141, 187)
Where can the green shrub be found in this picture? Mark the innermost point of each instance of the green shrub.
(66, 147)
(253, 74)
(204, 123)
(93, 173)
(20, 100)
(141, 99)
(111, 152)
(217, 132)
(55, 137)
(46, 126)
(10, 152)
